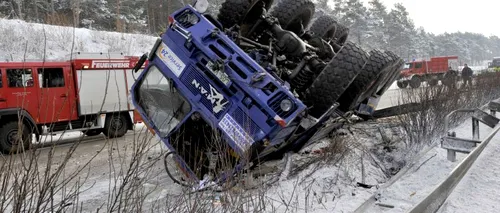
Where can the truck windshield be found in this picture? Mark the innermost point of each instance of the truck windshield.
(408, 65)
(164, 106)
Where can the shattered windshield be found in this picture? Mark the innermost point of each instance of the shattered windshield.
(164, 106)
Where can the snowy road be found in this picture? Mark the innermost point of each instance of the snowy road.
(101, 163)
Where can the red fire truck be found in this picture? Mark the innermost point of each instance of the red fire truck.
(89, 93)
(432, 71)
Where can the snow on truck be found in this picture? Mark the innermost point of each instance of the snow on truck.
(225, 94)
(89, 93)
(431, 71)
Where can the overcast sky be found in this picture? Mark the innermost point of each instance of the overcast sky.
(439, 16)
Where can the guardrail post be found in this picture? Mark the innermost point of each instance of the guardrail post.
(451, 155)
(475, 128)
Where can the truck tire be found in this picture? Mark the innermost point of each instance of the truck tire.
(392, 73)
(115, 125)
(92, 132)
(341, 34)
(292, 13)
(358, 90)
(9, 137)
(433, 82)
(236, 11)
(402, 84)
(325, 27)
(334, 79)
(415, 82)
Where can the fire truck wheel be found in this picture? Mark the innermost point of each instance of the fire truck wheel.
(433, 82)
(402, 84)
(415, 82)
(115, 125)
(335, 79)
(9, 138)
(92, 132)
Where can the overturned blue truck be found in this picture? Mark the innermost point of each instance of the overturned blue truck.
(224, 94)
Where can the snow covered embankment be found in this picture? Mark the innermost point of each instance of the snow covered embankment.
(21, 40)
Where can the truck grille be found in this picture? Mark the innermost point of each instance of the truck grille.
(274, 103)
(245, 122)
(195, 82)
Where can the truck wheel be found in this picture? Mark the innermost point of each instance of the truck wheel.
(415, 82)
(433, 82)
(335, 79)
(9, 138)
(92, 132)
(358, 90)
(392, 74)
(341, 34)
(294, 15)
(402, 84)
(115, 125)
(325, 27)
(238, 11)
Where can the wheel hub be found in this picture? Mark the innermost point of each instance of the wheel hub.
(12, 138)
(116, 123)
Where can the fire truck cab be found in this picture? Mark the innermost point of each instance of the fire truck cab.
(89, 93)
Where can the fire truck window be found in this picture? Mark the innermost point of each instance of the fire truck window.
(20, 77)
(1, 84)
(418, 65)
(51, 77)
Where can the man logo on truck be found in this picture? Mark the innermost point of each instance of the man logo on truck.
(214, 97)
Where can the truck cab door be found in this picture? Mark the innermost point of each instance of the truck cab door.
(19, 90)
(3, 100)
(56, 94)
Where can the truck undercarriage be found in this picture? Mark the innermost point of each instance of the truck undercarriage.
(327, 77)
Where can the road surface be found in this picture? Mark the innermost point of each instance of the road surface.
(99, 163)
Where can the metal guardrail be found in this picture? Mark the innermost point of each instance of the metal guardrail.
(455, 144)
(437, 197)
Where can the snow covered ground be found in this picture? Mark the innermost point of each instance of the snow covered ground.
(479, 189)
(432, 168)
(21, 40)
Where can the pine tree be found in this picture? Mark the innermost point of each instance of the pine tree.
(376, 21)
(400, 31)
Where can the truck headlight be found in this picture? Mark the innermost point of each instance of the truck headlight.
(286, 105)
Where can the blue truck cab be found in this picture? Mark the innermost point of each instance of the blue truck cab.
(199, 90)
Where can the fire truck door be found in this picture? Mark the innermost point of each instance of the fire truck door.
(19, 90)
(3, 100)
(55, 94)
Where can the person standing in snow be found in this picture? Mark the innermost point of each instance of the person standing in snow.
(467, 75)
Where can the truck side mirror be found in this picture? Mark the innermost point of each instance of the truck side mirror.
(140, 62)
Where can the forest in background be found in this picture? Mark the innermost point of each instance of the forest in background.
(372, 26)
